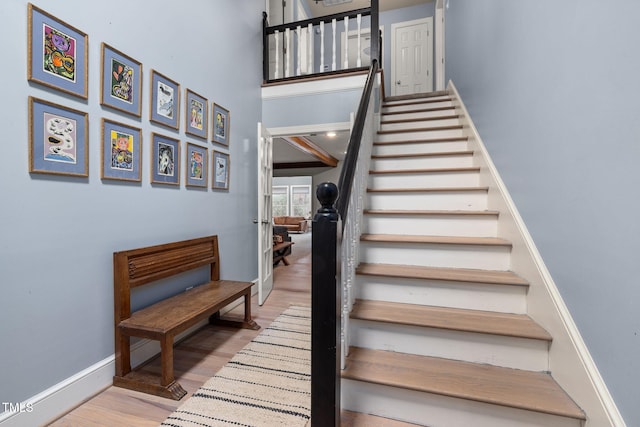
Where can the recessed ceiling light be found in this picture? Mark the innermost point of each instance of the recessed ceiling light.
(331, 134)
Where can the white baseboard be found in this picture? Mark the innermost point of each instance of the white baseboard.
(55, 401)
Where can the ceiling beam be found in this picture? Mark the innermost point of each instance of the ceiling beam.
(305, 145)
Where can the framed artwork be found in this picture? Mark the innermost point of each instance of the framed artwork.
(121, 82)
(58, 54)
(165, 101)
(221, 119)
(221, 164)
(197, 115)
(196, 170)
(165, 160)
(121, 152)
(58, 139)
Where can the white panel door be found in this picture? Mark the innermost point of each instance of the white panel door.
(265, 214)
(412, 68)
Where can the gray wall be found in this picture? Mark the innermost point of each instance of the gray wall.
(553, 88)
(57, 234)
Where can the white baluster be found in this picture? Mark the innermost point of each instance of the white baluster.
(287, 51)
(310, 49)
(321, 70)
(333, 57)
(299, 57)
(359, 60)
(346, 43)
(276, 74)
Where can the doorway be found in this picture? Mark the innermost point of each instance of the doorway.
(412, 57)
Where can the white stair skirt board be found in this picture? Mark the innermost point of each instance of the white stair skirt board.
(419, 124)
(470, 178)
(509, 352)
(430, 134)
(437, 225)
(437, 255)
(439, 411)
(425, 147)
(473, 200)
(418, 162)
(472, 296)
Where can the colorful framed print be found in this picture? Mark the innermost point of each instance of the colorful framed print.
(165, 160)
(221, 123)
(165, 101)
(121, 152)
(58, 139)
(196, 170)
(221, 172)
(196, 115)
(58, 54)
(121, 82)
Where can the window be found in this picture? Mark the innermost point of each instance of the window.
(280, 200)
(301, 200)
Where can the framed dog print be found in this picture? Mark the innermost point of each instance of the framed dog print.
(121, 152)
(197, 162)
(165, 160)
(221, 164)
(58, 139)
(221, 120)
(165, 101)
(58, 54)
(196, 115)
(121, 82)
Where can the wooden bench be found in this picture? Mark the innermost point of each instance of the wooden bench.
(163, 320)
(280, 251)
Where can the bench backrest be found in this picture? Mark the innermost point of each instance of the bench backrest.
(140, 266)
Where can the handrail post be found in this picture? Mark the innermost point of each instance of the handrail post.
(325, 311)
(265, 48)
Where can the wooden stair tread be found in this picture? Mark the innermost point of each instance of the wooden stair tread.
(418, 110)
(424, 141)
(534, 391)
(427, 190)
(429, 129)
(445, 240)
(429, 212)
(417, 101)
(421, 119)
(412, 96)
(419, 155)
(471, 169)
(456, 319)
(442, 273)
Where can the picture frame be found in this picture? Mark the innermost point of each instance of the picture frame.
(196, 166)
(58, 139)
(221, 125)
(196, 113)
(165, 101)
(121, 77)
(121, 152)
(165, 160)
(221, 163)
(57, 54)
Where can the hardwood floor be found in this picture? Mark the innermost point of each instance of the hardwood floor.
(200, 356)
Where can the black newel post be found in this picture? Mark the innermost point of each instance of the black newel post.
(265, 48)
(325, 312)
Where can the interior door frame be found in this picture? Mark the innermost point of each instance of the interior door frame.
(265, 216)
(438, 33)
(394, 27)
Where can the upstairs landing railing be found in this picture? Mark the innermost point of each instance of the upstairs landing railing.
(316, 47)
(336, 233)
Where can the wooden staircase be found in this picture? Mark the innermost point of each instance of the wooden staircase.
(440, 334)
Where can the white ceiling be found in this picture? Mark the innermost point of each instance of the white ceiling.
(318, 9)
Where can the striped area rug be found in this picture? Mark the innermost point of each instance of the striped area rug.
(267, 383)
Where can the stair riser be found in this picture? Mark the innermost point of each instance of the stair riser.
(408, 136)
(463, 200)
(458, 225)
(439, 411)
(472, 296)
(395, 107)
(459, 161)
(424, 180)
(437, 255)
(418, 115)
(419, 124)
(509, 352)
(420, 148)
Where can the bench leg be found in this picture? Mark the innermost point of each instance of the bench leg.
(247, 323)
(166, 353)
